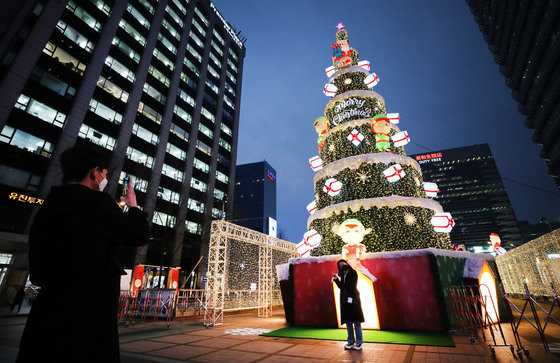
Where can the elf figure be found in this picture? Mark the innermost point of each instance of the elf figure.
(352, 232)
(381, 126)
(321, 126)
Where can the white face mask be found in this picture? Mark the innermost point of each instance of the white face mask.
(101, 184)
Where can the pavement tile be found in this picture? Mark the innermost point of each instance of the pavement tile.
(217, 343)
(179, 338)
(141, 346)
(309, 351)
(262, 347)
(182, 352)
(225, 355)
(286, 359)
(209, 332)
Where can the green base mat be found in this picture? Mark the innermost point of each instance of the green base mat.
(415, 337)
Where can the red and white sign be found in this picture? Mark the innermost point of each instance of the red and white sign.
(443, 222)
(312, 207)
(330, 71)
(431, 189)
(400, 138)
(316, 163)
(458, 248)
(394, 172)
(137, 278)
(364, 65)
(332, 187)
(330, 90)
(356, 137)
(371, 80)
(428, 156)
(394, 117)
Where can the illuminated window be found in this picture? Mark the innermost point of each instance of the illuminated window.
(104, 111)
(191, 66)
(203, 147)
(158, 75)
(207, 114)
(182, 113)
(225, 144)
(147, 5)
(83, 15)
(193, 227)
(219, 194)
(213, 72)
(132, 32)
(219, 37)
(174, 16)
(229, 102)
(212, 86)
(199, 27)
(188, 81)
(145, 134)
(167, 43)
(221, 177)
(231, 77)
(226, 129)
(198, 185)
(175, 151)
(137, 183)
(138, 16)
(196, 39)
(26, 141)
(139, 157)
(96, 137)
(179, 132)
(168, 195)
(202, 166)
(202, 17)
(216, 61)
(185, 97)
(230, 88)
(75, 36)
(126, 49)
(233, 55)
(205, 130)
(164, 219)
(64, 58)
(172, 172)
(120, 68)
(149, 112)
(154, 93)
(102, 6)
(216, 213)
(230, 63)
(217, 48)
(195, 205)
(170, 29)
(112, 89)
(194, 53)
(40, 110)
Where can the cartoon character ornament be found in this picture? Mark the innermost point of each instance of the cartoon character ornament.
(352, 232)
(321, 126)
(342, 53)
(381, 126)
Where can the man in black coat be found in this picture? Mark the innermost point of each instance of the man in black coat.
(350, 306)
(72, 256)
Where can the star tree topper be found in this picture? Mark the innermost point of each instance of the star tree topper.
(339, 26)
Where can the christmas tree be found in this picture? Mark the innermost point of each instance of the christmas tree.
(364, 182)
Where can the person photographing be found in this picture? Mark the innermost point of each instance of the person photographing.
(350, 307)
(73, 243)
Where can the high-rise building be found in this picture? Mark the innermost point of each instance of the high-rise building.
(524, 38)
(255, 197)
(155, 82)
(471, 189)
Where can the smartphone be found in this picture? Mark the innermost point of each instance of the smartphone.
(125, 185)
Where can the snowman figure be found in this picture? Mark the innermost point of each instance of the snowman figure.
(321, 126)
(381, 126)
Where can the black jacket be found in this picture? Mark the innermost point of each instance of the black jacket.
(350, 312)
(72, 256)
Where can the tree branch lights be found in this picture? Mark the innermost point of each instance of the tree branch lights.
(363, 172)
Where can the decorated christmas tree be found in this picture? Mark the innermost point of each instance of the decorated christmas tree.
(364, 182)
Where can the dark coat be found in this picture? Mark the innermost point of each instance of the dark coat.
(72, 256)
(348, 288)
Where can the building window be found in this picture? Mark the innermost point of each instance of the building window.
(225, 144)
(216, 213)
(230, 88)
(180, 6)
(226, 129)
(163, 59)
(185, 97)
(26, 141)
(223, 160)
(132, 32)
(179, 132)
(154, 93)
(138, 16)
(145, 134)
(83, 15)
(196, 39)
(168, 195)
(119, 68)
(104, 111)
(96, 137)
(172, 172)
(219, 194)
(64, 58)
(195, 205)
(53, 83)
(164, 219)
(175, 151)
(229, 102)
(202, 17)
(193, 227)
(202, 166)
(190, 65)
(222, 177)
(216, 61)
(74, 36)
(218, 36)
(147, 5)
(194, 53)
(230, 63)
(182, 113)
(139, 157)
(213, 72)
(102, 6)
(40, 110)
(149, 113)
(203, 147)
(112, 89)
(205, 130)
(167, 43)
(158, 75)
(233, 55)
(188, 81)
(137, 183)
(198, 185)
(170, 29)
(217, 48)
(174, 16)
(231, 77)
(126, 49)
(19, 179)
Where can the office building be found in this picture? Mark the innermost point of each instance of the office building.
(255, 197)
(471, 189)
(524, 38)
(157, 83)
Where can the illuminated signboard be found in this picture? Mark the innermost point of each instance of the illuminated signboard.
(25, 198)
(271, 176)
(428, 157)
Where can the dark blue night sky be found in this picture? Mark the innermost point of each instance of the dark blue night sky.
(435, 70)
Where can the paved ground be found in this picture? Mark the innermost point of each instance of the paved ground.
(184, 341)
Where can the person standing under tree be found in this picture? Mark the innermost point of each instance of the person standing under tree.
(350, 307)
(73, 244)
